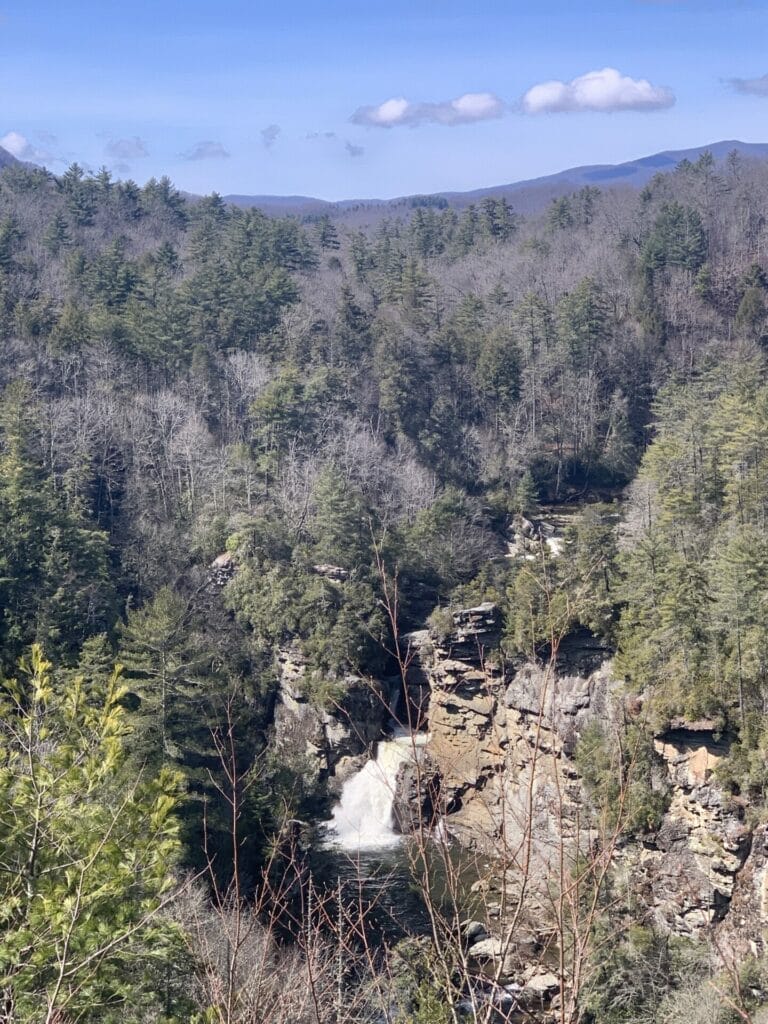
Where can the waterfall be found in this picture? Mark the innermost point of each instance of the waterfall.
(362, 819)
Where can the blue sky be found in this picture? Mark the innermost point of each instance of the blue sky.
(345, 99)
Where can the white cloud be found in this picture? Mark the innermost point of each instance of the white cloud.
(466, 109)
(22, 148)
(394, 111)
(604, 91)
(18, 145)
(751, 86)
(206, 150)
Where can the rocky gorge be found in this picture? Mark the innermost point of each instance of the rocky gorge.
(504, 740)
(501, 771)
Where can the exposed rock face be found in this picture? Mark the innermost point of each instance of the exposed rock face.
(222, 569)
(691, 866)
(465, 690)
(500, 766)
(503, 738)
(325, 743)
(417, 649)
(417, 790)
(331, 572)
(743, 930)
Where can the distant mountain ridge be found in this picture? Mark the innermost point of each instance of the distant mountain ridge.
(528, 196)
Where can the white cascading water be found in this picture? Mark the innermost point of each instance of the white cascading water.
(363, 817)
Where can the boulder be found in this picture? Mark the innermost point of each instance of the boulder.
(486, 949)
(542, 986)
(474, 931)
(417, 794)
(492, 959)
(222, 569)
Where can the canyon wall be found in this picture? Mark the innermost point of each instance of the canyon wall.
(503, 738)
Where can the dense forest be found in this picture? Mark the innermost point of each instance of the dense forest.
(331, 410)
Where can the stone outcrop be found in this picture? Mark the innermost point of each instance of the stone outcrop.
(501, 735)
(417, 794)
(689, 868)
(331, 572)
(503, 739)
(222, 569)
(464, 686)
(325, 742)
(500, 767)
(742, 932)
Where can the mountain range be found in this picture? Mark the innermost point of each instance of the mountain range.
(527, 196)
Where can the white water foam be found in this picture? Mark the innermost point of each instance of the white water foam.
(363, 817)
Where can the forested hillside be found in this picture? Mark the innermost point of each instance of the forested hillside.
(335, 409)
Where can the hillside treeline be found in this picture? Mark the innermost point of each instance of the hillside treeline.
(183, 378)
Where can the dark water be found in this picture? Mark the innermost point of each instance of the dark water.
(389, 890)
(376, 886)
(393, 885)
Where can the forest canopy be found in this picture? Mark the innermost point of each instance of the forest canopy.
(308, 403)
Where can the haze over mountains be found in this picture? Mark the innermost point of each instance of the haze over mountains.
(528, 196)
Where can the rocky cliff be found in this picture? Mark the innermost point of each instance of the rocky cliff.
(326, 738)
(503, 739)
(503, 736)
